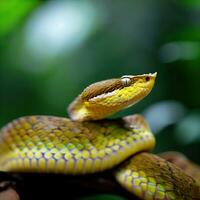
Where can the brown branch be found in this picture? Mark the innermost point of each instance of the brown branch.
(52, 186)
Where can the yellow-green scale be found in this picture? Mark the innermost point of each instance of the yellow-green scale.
(151, 177)
(59, 145)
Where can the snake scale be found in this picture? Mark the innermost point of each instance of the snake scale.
(88, 143)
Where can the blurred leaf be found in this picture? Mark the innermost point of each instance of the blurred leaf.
(172, 111)
(12, 12)
(188, 130)
(185, 42)
(190, 3)
(189, 33)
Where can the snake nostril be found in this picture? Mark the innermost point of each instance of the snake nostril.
(147, 78)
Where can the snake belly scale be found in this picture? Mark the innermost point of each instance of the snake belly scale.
(88, 143)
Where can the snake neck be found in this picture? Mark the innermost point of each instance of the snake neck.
(79, 110)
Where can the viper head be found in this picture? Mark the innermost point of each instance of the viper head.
(106, 97)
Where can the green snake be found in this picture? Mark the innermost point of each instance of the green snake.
(88, 143)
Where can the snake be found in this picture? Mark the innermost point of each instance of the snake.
(87, 142)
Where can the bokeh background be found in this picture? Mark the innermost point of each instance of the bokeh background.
(51, 50)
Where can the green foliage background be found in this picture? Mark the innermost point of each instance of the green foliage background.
(125, 37)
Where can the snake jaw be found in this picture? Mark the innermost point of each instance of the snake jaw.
(107, 97)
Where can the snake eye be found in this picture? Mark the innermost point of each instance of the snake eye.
(126, 81)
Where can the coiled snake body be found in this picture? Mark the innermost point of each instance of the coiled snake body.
(81, 145)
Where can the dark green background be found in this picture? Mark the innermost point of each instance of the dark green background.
(123, 37)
